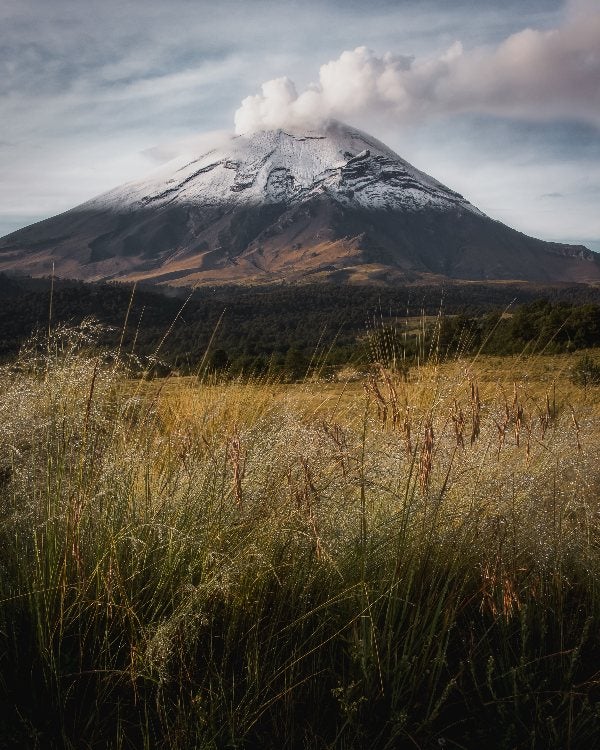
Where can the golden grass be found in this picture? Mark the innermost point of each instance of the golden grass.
(327, 564)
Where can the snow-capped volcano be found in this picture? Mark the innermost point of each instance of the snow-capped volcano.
(278, 205)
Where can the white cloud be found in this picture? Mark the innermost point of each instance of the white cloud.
(532, 74)
(191, 146)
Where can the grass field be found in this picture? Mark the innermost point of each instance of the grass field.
(371, 563)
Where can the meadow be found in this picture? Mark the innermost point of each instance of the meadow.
(387, 559)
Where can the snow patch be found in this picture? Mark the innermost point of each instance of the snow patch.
(290, 167)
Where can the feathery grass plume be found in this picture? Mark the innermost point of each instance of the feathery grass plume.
(392, 396)
(458, 421)
(475, 410)
(426, 459)
(545, 416)
(372, 388)
(577, 427)
(236, 456)
(406, 432)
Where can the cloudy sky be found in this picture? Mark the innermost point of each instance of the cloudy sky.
(500, 101)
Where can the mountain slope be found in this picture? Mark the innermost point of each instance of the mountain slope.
(335, 204)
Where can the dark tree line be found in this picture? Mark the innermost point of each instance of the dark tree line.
(287, 328)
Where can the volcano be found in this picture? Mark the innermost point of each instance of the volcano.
(328, 205)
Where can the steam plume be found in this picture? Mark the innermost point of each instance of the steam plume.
(533, 74)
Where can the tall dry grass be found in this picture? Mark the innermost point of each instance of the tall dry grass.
(400, 563)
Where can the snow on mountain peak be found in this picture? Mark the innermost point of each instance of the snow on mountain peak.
(281, 166)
